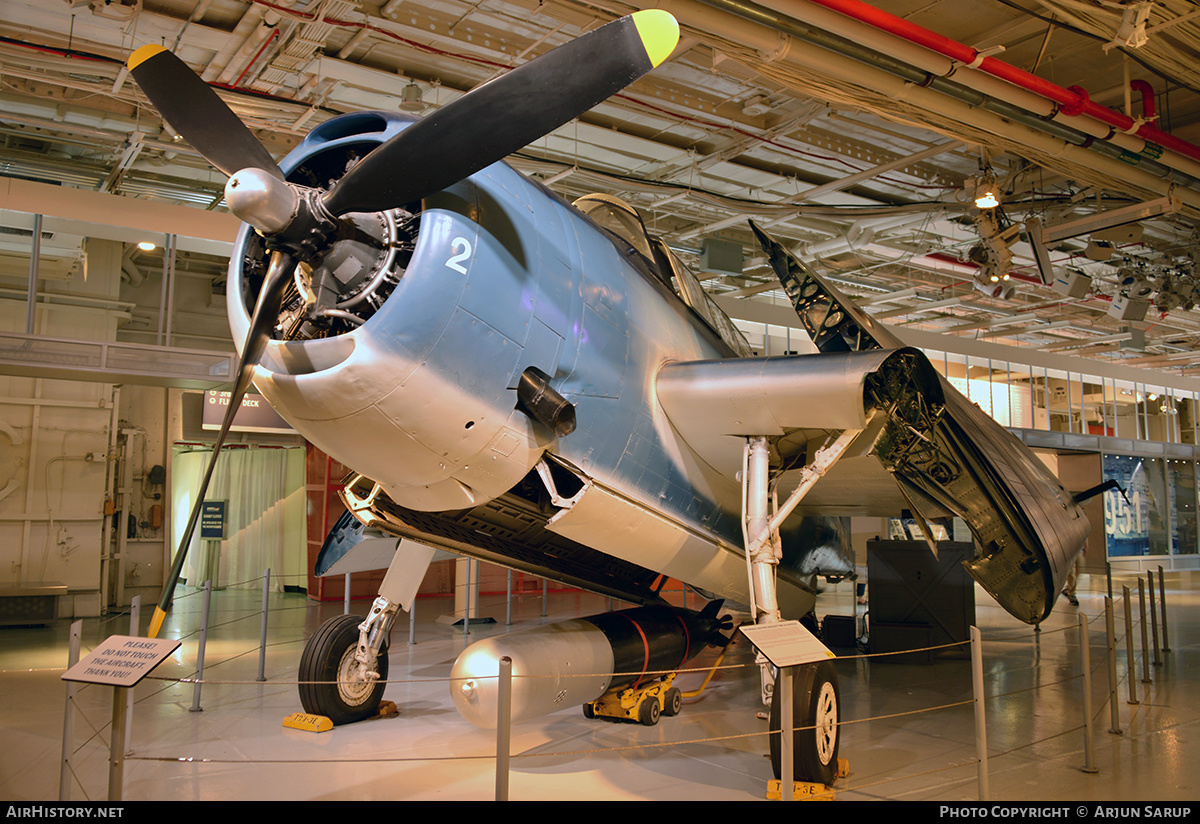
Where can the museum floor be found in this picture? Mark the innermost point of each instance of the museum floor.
(909, 733)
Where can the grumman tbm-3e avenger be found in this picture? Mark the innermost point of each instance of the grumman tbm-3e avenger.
(545, 386)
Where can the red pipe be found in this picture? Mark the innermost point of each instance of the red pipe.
(1072, 101)
(254, 59)
(1147, 92)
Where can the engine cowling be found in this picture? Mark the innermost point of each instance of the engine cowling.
(376, 358)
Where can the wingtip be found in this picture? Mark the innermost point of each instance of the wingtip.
(659, 31)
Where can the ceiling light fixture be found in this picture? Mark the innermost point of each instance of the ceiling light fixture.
(992, 254)
(984, 191)
(412, 98)
(986, 200)
(757, 105)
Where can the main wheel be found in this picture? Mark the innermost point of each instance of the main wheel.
(815, 707)
(329, 657)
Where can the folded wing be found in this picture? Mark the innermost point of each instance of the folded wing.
(917, 442)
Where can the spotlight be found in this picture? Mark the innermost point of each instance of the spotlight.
(146, 246)
(983, 190)
(986, 200)
(992, 254)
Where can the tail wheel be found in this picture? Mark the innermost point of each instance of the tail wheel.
(816, 706)
(330, 681)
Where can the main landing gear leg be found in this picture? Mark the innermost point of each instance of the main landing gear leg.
(815, 696)
(345, 663)
(344, 666)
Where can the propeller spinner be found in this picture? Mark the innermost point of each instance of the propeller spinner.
(471, 133)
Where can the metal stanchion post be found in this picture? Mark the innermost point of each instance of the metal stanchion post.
(262, 630)
(1145, 644)
(346, 595)
(200, 652)
(135, 615)
(412, 621)
(545, 596)
(135, 618)
(787, 735)
(116, 753)
(1085, 656)
(980, 714)
(68, 741)
(1110, 631)
(1153, 617)
(508, 601)
(503, 727)
(1130, 661)
(467, 609)
(1162, 605)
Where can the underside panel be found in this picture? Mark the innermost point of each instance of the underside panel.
(509, 531)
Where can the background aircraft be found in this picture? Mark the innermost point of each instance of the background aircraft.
(543, 385)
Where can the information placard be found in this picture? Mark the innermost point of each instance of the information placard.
(212, 520)
(122, 660)
(787, 643)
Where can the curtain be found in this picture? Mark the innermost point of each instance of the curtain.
(265, 523)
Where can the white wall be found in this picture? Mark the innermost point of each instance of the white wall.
(54, 444)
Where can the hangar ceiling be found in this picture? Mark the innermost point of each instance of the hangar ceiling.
(858, 134)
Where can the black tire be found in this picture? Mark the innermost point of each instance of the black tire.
(672, 702)
(649, 711)
(589, 711)
(816, 708)
(327, 655)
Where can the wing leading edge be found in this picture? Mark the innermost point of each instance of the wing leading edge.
(942, 454)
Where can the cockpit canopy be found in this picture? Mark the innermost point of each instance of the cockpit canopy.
(621, 219)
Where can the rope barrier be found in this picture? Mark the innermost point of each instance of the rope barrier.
(167, 682)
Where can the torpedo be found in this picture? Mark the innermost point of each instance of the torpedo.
(573, 663)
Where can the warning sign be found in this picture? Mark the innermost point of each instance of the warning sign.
(122, 660)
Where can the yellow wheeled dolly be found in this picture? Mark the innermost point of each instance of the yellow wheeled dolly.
(644, 704)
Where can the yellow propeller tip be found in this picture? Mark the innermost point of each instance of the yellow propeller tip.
(659, 31)
(142, 55)
(156, 622)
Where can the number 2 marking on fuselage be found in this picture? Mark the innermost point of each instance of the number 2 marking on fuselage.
(456, 262)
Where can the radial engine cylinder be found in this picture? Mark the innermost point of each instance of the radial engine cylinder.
(574, 662)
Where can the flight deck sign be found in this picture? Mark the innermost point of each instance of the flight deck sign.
(122, 660)
(254, 415)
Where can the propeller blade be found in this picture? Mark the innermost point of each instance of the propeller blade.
(266, 313)
(195, 111)
(498, 118)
